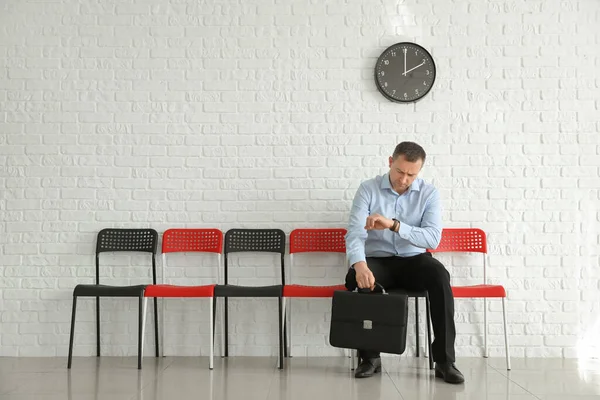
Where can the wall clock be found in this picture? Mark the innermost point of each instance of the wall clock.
(405, 72)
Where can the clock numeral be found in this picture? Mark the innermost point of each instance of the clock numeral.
(394, 91)
(424, 83)
(427, 72)
(386, 62)
(385, 84)
(416, 53)
(382, 73)
(416, 91)
(393, 54)
(424, 60)
(405, 95)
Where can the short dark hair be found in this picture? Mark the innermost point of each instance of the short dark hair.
(411, 151)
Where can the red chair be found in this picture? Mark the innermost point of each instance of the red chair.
(189, 240)
(474, 240)
(312, 241)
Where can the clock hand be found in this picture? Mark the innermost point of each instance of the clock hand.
(413, 68)
(404, 61)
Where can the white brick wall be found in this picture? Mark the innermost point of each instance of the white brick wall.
(265, 114)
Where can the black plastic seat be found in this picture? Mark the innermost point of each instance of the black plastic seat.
(253, 240)
(119, 240)
(248, 291)
(108, 291)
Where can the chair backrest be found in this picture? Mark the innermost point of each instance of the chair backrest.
(255, 240)
(131, 240)
(318, 240)
(466, 240)
(192, 240)
(462, 240)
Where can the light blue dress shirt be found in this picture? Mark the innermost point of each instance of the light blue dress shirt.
(418, 210)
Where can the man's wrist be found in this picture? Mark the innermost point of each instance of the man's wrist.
(390, 224)
(359, 265)
(395, 225)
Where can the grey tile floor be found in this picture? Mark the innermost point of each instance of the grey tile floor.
(254, 378)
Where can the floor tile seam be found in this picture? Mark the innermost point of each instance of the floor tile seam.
(505, 374)
(394, 383)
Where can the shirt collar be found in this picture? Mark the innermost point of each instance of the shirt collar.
(385, 184)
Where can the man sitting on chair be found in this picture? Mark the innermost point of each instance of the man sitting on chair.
(394, 218)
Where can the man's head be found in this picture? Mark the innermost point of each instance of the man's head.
(405, 165)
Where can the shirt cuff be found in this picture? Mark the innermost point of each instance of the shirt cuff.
(405, 230)
(354, 258)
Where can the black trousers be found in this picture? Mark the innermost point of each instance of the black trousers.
(420, 272)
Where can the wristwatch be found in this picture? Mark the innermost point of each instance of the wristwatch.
(394, 225)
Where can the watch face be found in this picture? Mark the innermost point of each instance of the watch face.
(405, 72)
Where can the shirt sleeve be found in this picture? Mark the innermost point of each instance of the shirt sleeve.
(357, 234)
(429, 234)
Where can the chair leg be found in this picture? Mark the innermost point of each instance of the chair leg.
(505, 334)
(222, 342)
(281, 339)
(429, 342)
(485, 329)
(72, 332)
(97, 326)
(211, 332)
(162, 325)
(289, 325)
(156, 344)
(226, 314)
(214, 317)
(418, 352)
(353, 357)
(141, 330)
(286, 328)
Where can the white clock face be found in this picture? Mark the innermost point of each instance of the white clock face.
(405, 72)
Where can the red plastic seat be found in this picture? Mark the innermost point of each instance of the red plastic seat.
(179, 291)
(189, 241)
(479, 291)
(473, 240)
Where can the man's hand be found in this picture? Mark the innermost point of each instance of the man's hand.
(378, 222)
(364, 277)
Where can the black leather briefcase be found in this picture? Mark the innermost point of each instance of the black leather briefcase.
(373, 321)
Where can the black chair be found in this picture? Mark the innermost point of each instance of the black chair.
(416, 295)
(121, 240)
(253, 240)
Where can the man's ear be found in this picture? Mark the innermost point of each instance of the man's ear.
(391, 160)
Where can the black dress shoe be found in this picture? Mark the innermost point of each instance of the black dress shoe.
(449, 373)
(367, 367)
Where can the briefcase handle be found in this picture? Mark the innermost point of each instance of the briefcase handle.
(380, 286)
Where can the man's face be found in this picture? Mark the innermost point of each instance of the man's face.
(403, 173)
